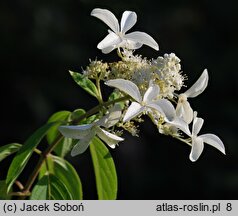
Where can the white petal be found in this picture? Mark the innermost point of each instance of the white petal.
(142, 38)
(127, 87)
(197, 148)
(112, 117)
(82, 145)
(197, 125)
(214, 141)
(133, 110)
(107, 17)
(109, 138)
(179, 109)
(167, 108)
(108, 49)
(180, 124)
(109, 42)
(184, 111)
(199, 86)
(151, 93)
(128, 20)
(156, 106)
(76, 132)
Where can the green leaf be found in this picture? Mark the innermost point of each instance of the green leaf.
(90, 119)
(24, 154)
(58, 190)
(3, 191)
(116, 95)
(40, 190)
(85, 83)
(59, 117)
(50, 187)
(105, 171)
(76, 114)
(64, 147)
(65, 144)
(63, 170)
(68, 175)
(47, 167)
(9, 149)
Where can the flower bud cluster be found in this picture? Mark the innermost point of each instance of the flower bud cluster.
(97, 69)
(164, 71)
(168, 74)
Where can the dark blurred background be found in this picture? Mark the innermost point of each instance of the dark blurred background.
(41, 40)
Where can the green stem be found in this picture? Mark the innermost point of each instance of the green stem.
(49, 185)
(100, 100)
(22, 195)
(187, 141)
(37, 151)
(43, 156)
(19, 185)
(51, 147)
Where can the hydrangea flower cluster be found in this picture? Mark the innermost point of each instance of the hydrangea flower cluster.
(141, 87)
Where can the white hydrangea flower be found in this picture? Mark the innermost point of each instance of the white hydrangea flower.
(140, 105)
(118, 37)
(85, 133)
(198, 141)
(149, 101)
(173, 121)
(183, 108)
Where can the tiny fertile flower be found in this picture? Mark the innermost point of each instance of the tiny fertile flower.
(85, 133)
(118, 37)
(183, 108)
(197, 141)
(168, 73)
